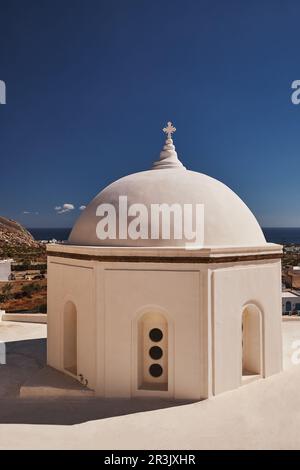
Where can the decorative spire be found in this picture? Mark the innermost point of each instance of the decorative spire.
(168, 156)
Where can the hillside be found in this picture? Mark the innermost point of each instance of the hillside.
(13, 235)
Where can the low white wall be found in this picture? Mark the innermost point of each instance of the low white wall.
(24, 317)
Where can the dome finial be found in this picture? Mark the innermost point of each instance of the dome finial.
(168, 156)
(169, 130)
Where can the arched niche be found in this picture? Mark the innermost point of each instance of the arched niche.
(70, 338)
(252, 342)
(152, 351)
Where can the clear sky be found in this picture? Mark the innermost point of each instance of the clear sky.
(90, 84)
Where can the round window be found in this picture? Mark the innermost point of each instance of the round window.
(156, 335)
(155, 370)
(155, 352)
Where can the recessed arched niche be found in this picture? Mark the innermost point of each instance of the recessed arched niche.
(70, 338)
(252, 351)
(153, 352)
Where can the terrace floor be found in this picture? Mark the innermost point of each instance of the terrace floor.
(264, 414)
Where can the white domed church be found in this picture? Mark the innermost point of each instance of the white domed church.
(136, 310)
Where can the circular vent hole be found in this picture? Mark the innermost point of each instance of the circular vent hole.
(155, 370)
(156, 335)
(155, 352)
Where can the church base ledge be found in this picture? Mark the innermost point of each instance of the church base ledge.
(163, 254)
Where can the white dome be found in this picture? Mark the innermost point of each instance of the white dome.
(227, 220)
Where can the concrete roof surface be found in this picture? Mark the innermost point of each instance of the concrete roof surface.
(262, 415)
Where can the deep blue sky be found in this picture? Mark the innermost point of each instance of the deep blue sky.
(91, 83)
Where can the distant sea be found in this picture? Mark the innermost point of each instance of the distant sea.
(283, 236)
(274, 235)
(60, 234)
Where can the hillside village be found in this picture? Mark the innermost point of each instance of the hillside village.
(26, 286)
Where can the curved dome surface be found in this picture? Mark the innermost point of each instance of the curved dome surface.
(227, 219)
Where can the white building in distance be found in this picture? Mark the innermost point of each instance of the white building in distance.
(5, 269)
(154, 317)
(290, 302)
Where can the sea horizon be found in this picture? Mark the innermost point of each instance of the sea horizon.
(281, 235)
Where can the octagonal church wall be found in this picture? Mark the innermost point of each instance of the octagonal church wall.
(233, 290)
(197, 306)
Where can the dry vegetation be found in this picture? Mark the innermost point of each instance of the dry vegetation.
(21, 293)
(18, 296)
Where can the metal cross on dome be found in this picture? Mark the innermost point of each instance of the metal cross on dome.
(169, 130)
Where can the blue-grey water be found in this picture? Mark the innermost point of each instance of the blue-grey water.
(274, 235)
(60, 234)
(284, 236)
